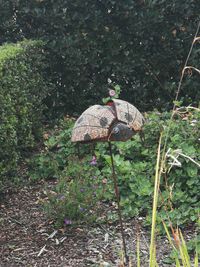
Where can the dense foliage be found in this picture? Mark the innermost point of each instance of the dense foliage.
(22, 90)
(135, 165)
(140, 45)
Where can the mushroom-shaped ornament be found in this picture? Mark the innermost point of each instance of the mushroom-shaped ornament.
(118, 120)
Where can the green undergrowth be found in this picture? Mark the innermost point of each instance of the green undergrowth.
(135, 165)
(76, 197)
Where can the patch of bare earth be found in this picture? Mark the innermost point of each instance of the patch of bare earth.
(28, 238)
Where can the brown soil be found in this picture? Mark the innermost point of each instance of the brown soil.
(28, 238)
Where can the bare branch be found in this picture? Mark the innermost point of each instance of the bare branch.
(191, 67)
(186, 62)
(196, 39)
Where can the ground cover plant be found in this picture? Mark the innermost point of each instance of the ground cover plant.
(135, 165)
(76, 197)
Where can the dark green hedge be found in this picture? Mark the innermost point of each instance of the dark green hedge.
(140, 45)
(22, 90)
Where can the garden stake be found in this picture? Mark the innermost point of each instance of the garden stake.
(118, 201)
(117, 121)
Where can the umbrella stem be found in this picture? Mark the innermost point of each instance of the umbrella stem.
(118, 201)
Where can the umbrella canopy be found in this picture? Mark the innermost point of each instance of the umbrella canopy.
(116, 121)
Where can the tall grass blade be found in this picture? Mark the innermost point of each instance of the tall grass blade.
(196, 259)
(177, 263)
(152, 261)
(173, 246)
(168, 236)
(138, 251)
(185, 251)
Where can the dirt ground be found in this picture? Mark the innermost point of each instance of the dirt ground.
(28, 238)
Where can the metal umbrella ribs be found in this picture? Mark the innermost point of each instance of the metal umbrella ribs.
(118, 120)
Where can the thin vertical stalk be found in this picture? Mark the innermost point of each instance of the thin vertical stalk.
(155, 202)
(178, 90)
(196, 259)
(185, 65)
(118, 201)
(138, 251)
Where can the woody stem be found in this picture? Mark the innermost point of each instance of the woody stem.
(118, 200)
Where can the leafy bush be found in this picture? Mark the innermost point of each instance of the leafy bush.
(135, 165)
(22, 91)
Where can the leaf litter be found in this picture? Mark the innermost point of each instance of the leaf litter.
(28, 237)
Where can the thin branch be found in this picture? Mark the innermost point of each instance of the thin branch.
(190, 67)
(196, 39)
(191, 159)
(178, 91)
(186, 109)
(186, 62)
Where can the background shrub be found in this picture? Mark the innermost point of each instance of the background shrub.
(22, 91)
(140, 45)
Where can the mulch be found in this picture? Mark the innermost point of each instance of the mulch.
(28, 238)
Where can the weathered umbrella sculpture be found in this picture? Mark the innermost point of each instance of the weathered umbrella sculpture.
(118, 120)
